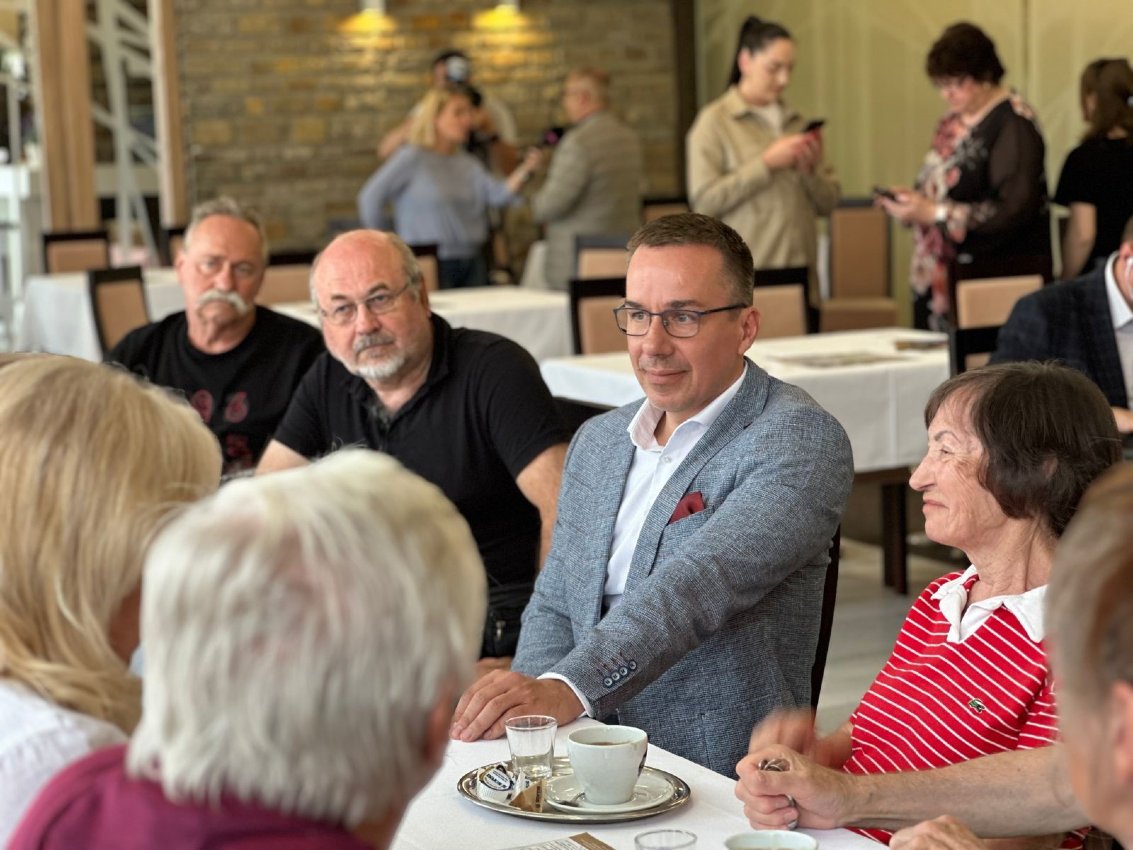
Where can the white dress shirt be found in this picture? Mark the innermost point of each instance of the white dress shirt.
(1122, 318)
(651, 468)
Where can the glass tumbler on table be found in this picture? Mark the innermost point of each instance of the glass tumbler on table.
(531, 739)
(664, 839)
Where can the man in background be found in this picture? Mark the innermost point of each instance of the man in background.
(1085, 323)
(237, 363)
(594, 182)
(306, 635)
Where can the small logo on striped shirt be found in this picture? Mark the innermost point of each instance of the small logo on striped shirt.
(977, 706)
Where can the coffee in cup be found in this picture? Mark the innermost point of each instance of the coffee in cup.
(607, 761)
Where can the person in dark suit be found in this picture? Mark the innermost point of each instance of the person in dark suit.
(1086, 323)
(683, 588)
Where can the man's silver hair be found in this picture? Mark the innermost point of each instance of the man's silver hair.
(413, 275)
(233, 209)
(299, 628)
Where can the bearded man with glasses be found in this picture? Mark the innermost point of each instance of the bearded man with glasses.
(237, 363)
(464, 409)
(683, 590)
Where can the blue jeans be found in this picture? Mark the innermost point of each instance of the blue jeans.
(471, 271)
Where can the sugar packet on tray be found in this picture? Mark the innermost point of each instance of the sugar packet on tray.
(496, 783)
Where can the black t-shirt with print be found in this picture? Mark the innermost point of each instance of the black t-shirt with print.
(241, 394)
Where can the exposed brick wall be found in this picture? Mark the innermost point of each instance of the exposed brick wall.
(284, 100)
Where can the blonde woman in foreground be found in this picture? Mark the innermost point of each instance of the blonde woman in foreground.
(91, 462)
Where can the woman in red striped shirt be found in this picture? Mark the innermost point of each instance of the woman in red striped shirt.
(1011, 449)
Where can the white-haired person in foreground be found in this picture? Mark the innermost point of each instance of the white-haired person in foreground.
(1089, 618)
(307, 634)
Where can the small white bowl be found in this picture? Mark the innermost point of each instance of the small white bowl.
(771, 839)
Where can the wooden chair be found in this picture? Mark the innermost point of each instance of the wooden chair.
(780, 297)
(982, 294)
(592, 325)
(427, 261)
(172, 241)
(118, 302)
(600, 255)
(75, 251)
(860, 269)
(287, 278)
(826, 618)
(658, 207)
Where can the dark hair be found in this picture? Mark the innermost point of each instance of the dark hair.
(1112, 88)
(1127, 233)
(964, 50)
(754, 36)
(1047, 432)
(449, 53)
(696, 229)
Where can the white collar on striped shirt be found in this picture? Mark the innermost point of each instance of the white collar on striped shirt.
(965, 619)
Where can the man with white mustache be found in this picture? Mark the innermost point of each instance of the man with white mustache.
(237, 363)
(464, 409)
(683, 591)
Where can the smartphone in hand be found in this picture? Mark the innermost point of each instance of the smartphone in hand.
(813, 125)
(883, 192)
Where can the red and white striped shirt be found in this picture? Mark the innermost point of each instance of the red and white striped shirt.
(953, 691)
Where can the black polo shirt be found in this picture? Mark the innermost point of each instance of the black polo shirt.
(240, 394)
(482, 415)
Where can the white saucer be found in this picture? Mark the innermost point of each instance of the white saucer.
(651, 790)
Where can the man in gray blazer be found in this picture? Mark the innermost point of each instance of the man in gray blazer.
(683, 588)
(594, 182)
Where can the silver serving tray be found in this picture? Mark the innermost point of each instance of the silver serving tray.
(466, 785)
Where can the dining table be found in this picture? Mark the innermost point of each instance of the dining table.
(440, 817)
(874, 382)
(57, 315)
(539, 320)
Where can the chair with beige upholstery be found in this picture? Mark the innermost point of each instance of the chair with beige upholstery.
(118, 302)
(860, 289)
(600, 255)
(75, 251)
(780, 297)
(592, 325)
(655, 208)
(287, 278)
(982, 295)
(427, 261)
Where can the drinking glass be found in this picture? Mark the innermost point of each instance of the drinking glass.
(664, 839)
(531, 739)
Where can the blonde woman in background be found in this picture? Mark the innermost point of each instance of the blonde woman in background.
(91, 462)
(438, 192)
(1096, 183)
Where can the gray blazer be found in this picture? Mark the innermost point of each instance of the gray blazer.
(719, 620)
(593, 186)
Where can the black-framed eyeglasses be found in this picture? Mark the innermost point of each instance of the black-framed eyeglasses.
(634, 321)
(377, 304)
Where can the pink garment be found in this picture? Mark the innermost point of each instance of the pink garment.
(94, 805)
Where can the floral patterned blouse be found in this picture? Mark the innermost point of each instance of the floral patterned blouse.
(992, 178)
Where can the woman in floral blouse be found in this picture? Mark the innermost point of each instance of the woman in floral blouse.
(981, 190)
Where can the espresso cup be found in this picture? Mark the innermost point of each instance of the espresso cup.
(607, 761)
(771, 839)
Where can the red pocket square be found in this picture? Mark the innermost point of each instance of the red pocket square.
(692, 503)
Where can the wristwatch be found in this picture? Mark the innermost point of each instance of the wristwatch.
(941, 213)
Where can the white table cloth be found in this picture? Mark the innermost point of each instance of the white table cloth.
(537, 319)
(880, 404)
(440, 817)
(57, 315)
